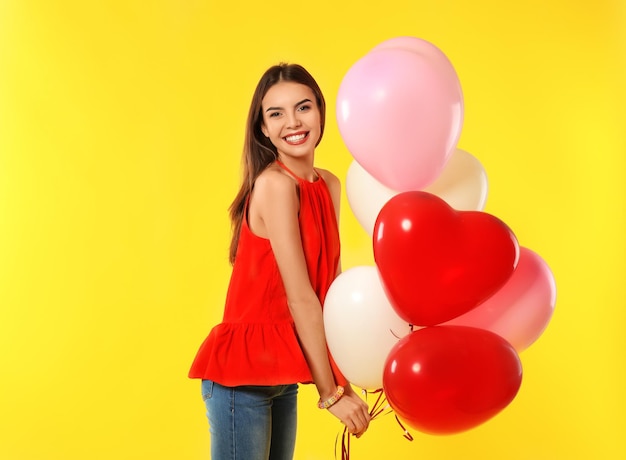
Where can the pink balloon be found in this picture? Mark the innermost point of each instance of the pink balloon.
(400, 114)
(521, 310)
(424, 48)
(428, 51)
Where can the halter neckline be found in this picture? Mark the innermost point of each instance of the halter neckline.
(298, 178)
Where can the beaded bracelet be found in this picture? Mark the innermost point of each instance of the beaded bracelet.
(332, 400)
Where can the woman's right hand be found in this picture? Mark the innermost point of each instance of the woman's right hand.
(353, 413)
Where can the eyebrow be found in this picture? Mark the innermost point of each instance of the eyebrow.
(295, 105)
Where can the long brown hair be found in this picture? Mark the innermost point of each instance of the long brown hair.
(258, 151)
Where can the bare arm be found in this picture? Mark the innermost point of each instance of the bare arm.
(334, 186)
(274, 206)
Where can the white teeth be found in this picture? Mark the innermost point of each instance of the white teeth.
(296, 138)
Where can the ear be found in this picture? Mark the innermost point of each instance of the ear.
(264, 130)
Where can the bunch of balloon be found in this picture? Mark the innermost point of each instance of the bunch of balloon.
(437, 264)
(438, 323)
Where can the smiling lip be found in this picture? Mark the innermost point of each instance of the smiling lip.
(297, 138)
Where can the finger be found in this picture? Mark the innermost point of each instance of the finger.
(363, 419)
(359, 433)
(351, 426)
(360, 424)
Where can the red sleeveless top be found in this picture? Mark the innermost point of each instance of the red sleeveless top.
(257, 343)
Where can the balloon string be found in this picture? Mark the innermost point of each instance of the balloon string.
(406, 434)
(378, 409)
(380, 405)
(345, 445)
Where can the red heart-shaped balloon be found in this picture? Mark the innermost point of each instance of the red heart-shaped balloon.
(437, 263)
(448, 379)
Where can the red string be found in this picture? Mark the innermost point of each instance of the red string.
(406, 434)
(376, 410)
(380, 405)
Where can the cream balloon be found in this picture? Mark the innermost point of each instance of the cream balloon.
(462, 184)
(361, 326)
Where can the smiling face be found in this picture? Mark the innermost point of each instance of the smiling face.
(291, 119)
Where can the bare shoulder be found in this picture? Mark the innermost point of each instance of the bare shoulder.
(272, 184)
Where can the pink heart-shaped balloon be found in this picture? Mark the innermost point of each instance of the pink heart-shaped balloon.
(437, 263)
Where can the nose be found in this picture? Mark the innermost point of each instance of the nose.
(293, 120)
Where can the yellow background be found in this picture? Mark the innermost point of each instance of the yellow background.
(121, 126)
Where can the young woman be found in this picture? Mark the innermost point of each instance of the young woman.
(285, 254)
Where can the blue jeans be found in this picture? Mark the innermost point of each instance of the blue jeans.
(251, 422)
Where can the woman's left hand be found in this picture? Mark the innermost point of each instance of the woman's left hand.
(350, 393)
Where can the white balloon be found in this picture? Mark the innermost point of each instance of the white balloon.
(361, 326)
(366, 196)
(462, 184)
